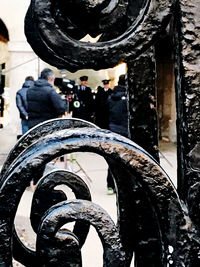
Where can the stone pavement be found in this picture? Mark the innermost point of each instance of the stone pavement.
(96, 168)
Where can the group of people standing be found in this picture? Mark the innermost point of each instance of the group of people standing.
(107, 108)
(38, 101)
(111, 107)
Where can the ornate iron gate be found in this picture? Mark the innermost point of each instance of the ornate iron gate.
(152, 221)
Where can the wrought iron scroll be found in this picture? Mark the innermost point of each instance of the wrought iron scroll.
(54, 30)
(166, 237)
(152, 221)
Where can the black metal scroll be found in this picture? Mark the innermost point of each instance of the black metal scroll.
(152, 222)
(126, 29)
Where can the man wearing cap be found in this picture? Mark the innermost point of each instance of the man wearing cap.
(83, 105)
(101, 111)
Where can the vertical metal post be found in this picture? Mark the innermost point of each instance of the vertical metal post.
(187, 56)
(143, 102)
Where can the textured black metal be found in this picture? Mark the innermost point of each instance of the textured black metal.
(80, 210)
(141, 184)
(39, 131)
(45, 196)
(187, 28)
(22, 253)
(48, 27)
(152, 221)
(143, 102)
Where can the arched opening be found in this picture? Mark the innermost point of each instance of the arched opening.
(4, 38)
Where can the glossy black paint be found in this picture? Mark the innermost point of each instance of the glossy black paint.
(54, 30)
(142, 188)
(152, 221)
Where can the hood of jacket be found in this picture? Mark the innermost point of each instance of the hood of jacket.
(118, 92)
(42, 82)
(28, 84)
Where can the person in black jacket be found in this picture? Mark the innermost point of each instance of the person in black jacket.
(118, 118)
(44, 102)
(21, 102)
(118, 108)
(101, 112)
(83, 103)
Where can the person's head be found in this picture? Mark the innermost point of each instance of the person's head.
(29, 78)
(48, 75)
(122, 80)
(106, 83)
(84, 80)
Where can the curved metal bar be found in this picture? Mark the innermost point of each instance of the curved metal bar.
(138, 37)
(48, 54)
(26, 140)
(40, 130)
(23, 254)
(83, 210)
(100, 10)
(63, 250)
(140, 166)
(45, 197)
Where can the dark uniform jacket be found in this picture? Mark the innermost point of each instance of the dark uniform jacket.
(21, 99)
(83, 103)
(101, 110)
(44, 103)
(118, 111)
